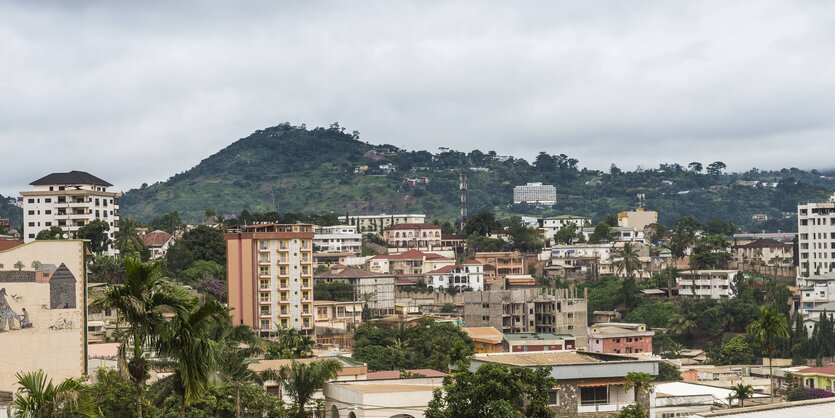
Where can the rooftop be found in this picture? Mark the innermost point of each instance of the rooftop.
(350, 273)
(800, 409)
(72, 177)
(156, 238)
(410, 255)
(825, 370)
(413, 226)
(536, 336)
(765, 243)
(488, 334)
(549, 358)
(395, 374)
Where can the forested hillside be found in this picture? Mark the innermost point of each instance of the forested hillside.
(9, 211)
(295, 169)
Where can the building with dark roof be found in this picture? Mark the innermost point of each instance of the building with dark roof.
(69, 201)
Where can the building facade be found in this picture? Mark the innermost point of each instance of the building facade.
(337, 239)
(816, 237)
(553, 224)
(524, 343)
(419, 235)
(706, 284)
(816, 291)
(457, 277)
(69, 201)
(375, 289)
(637, 219)
(535, 193)
(620, 338)
(504, 262)
(377, 223)
(270, 276)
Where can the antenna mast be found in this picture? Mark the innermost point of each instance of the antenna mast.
(463, 188)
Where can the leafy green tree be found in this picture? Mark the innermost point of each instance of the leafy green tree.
(169, 222)
(633, 411)
(127, 239)
(114, 395)
(142, 302)
(567, 234)
(38, 397)
(201, 243)
(680, 324)
(493, 390)
(742, 392)
(302, 380)
(768, 331)
(734, 351)
(667, 372)
(602, 233)
(337, 291)
(524, 238)
(639, 381)
(106, 269)
(482, 223)
(54, 232)
(289, 343)
(653, 314)
(97, 232)
(201, 269)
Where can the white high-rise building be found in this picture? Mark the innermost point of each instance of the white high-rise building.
(535, 193)
(69, 201)
(816, 237)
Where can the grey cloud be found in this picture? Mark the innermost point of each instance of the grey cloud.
(135, 92)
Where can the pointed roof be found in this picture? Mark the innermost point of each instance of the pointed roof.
(156, 238)
(72, 177)
(63, 274)
(410, 255)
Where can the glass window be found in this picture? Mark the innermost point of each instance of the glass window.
(598, 395)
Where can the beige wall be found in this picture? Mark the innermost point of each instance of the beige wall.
(56, 340)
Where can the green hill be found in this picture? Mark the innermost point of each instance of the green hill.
(313, 171)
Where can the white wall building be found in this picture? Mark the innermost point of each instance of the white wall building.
(816, 291)
(69, 201)
(459, 277)
(337, 239)
(706, 284)
(554, 224)
(619, 233)
(535, 193)
(816, 237)
(377, 223)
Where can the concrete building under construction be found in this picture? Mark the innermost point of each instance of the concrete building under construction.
(557, 311)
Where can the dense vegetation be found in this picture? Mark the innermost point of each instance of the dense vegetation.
(293, 169)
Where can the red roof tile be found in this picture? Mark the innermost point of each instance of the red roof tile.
(7, 244)
(828, 370)
(156, 238)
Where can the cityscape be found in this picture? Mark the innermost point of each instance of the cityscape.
(553, 210)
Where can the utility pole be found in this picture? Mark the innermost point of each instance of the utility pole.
(463, 188)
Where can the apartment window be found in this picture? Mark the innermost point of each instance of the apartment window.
(483, 318)
(282, 270)
(47, 200)
(264, 283)
(284, 296)
(285, 323)
(282, 244)
(263, 270)
(31, 235)
(31, 212)
(31, 200)
(263, 245)
(283, 283)
(598, 395)
(265, 310)
(31, 224)
(264, 297)
(265, 324)
(47, 224)
(48, 212)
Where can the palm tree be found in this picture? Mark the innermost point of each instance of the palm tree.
(141, 302)
(239, 345)
(127, 239)
(638, 380)
(290, 344)
(680, 324)
(741, 392)
(187, 341)
(37, 397)
(302, 380)
(770, 327)
(629, 261)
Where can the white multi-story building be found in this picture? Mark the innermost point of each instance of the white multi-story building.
(619, 234)
(377, 223)
(337, 239)
(707, 284)
(459, 277)
(535, 193)
(69, 201)
(553, 224)
(816, 291)
(816, 237)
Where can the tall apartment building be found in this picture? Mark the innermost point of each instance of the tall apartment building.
(377, 223)
(270, 276)
(529, 310)
(69, 201)
(535, 193)
(337, 239)
(816, 237)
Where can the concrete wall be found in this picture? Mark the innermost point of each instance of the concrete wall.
(56, 341)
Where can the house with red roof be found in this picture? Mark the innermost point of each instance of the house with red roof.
(408, 262)
(817, 377)
(158, 242)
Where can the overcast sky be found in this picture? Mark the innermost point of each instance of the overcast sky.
(134, 92)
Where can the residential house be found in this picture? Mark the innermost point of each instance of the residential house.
(485, 339)
(763, 254)
(504, 262)
(587, 384)
(817, 377)
(396, 398)
(457, 277)
(620, 338)
(552, 225)
(409, 262)
(158, 243)
(419, 235)
(335, 315)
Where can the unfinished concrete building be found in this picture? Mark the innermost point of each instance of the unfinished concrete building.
(558, 311)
